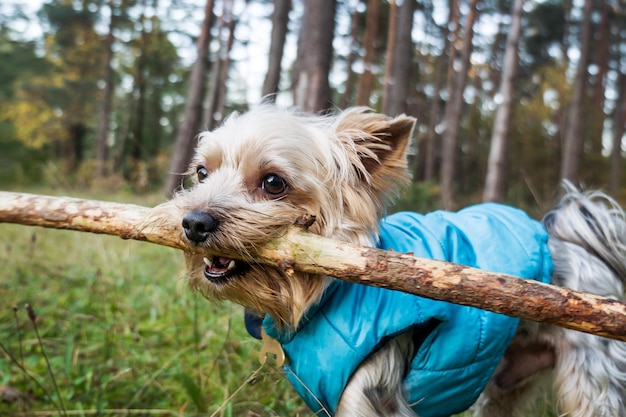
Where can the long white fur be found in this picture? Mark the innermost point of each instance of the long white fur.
(588, 247)
(587, 243)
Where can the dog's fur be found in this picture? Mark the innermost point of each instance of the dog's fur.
(259, 172)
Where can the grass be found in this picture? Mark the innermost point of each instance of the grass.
(122, 331)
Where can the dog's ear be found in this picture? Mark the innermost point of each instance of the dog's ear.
(379, 141)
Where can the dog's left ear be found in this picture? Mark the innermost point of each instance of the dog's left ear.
(380, 141)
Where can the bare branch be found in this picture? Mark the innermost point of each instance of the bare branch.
(300, 250)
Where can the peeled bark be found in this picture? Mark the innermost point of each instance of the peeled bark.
(303, 251)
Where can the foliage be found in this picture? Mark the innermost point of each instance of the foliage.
(35, 124)
(545, 29)
(51, 87)
(420, 197)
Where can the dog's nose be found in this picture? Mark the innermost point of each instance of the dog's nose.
(198, 225)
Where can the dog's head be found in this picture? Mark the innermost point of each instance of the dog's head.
(262, 170)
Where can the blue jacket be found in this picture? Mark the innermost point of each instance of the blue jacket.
(461, 345)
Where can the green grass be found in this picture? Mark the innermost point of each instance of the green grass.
(122, 331)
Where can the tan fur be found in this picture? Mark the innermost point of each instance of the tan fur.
(343, 169)
(261, 171)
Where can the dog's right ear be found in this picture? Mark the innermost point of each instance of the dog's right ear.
(380, 143)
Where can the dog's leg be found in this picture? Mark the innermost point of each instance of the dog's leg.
(518, 378)
(376, 387)
(590, 376)
(498, 402)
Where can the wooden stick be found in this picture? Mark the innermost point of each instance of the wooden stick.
(304, 251)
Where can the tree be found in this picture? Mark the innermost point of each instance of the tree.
(219, 71)
(397, 81)
(366, 79)
(602, 51)
(435, 109)
(140, 85)
(311, 87)
(23, 76)
(74, 49)
(347, 96)
(390, 54)
(495, 184)
(545, 30)
(452, 116)
(619, 126)
(184, 144)
(280, 27)
(107, 96)
(573, 141)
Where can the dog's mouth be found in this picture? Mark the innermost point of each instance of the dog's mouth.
(219, 269)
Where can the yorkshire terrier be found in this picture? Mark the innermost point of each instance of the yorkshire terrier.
(355, 350)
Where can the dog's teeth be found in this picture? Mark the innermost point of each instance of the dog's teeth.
(231, 265)
(208, 262)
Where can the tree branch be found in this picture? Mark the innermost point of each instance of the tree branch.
(304, 251)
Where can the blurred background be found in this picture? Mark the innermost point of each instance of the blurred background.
(511, 96)
(104, 99)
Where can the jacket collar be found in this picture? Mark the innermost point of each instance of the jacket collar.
(285, 335)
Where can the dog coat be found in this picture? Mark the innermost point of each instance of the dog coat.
(460, 346)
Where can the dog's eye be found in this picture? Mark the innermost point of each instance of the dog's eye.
(202, 173)
(274, 185)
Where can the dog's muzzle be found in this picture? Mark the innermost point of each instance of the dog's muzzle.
(198, 225)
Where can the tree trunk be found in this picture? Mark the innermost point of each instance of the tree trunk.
(495, 71)
(366, 79)
(74, 147)
(435, 109)
(565, 42)
(495, 184)
(573, 146)
(390, 55)
(619, 126)
(280, 24)
(107, 99)
(296, 249)
(219, 72)
(400, 78)
(452, 116)
(189, 128)
(140, 103)
(347, 97)
(311, 88)
(602, 44)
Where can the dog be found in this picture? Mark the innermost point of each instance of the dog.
(354, 350)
